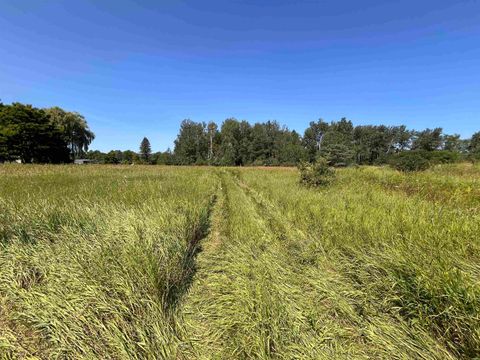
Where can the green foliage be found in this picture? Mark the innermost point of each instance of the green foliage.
(26, 133)
(163, 158)
(130, 157)
(338, 154)
(428, 140)
(234, 136)
(419, 160)
(318, 173)
(113, 157)
(409, 161)
(373, 144)
(96, 155)
(474, 145)
(145, 150)
(43, 136)
(443, 157)
(35, 135)
(452, 143)
(74, 129)
(192, 143)
(237, 143)
(473, 157)
(313, 137)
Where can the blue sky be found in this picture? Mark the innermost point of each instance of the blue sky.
(137, 68)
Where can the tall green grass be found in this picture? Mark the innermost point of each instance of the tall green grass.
(92, 260)
(408, 256)
(202, 263)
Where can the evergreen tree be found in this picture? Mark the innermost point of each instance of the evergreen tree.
(145, 150)
(428, 140)
(452, 143)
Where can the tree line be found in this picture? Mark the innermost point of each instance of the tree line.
(51, 135)
(54, 135)
(237, 143)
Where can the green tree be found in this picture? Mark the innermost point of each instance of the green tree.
(337, 144)
(313, 138)
(113, 157)
(130, 157)
(474, 145)
(74, 129)
(163, 158)
(428, 140)
(290, 149)
(145, 150)
(96, 155)
(191, 145)
(317, 173)
(258, 149)
(410, 161)
(235, 142)
(26, 133)
(338, 154)
(452, 142)
(373, 144)
(212, 129)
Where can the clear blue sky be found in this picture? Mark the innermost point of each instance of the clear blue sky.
(137, 68)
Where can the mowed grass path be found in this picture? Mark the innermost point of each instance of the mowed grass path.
(228, 263)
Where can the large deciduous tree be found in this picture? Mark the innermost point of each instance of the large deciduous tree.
(313, 137)
(74, 129)
(192, 143)
(27, 134)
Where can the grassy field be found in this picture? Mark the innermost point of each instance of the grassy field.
(132, 262)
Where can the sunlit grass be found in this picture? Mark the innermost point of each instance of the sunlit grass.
(93, 258)
(102, 262)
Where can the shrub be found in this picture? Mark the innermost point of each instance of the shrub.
(316, 174)
(473, 157)
(411, 161)
(443, 157)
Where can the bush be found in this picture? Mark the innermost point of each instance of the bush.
(316, 174)
(473, 157)
(411, 161)
(443, 157)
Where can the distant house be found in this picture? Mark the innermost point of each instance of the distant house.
(14, 160)
(83, 161)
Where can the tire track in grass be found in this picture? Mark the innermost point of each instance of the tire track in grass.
(260, 293)
(197, 233)
(243, 304)
(350, 307)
